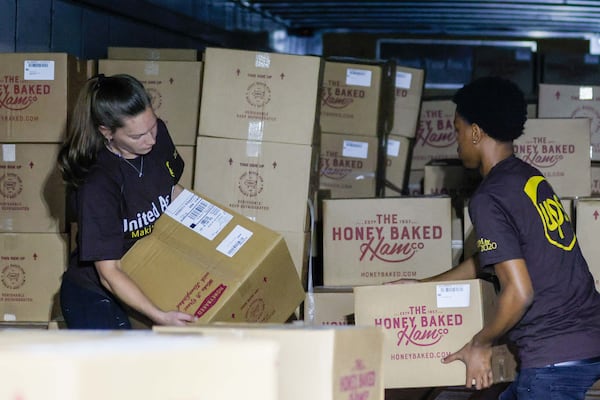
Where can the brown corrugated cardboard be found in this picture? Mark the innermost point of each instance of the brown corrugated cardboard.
(140, 366)
(450, 177)
(374, 241)
(587, 212)
(36, 94)
(32, 195)
(348, 165)
(334, 363)
(424, 322)
(329, 306)
(260, 96)
(175, 90)
(435, 134)
(188, 154)
(560, 149)
(298, 243)
(357, 98)
(30, 271)
(397, 165)
(152, 54)
(219, 265)
(595, 173)
(407, 104)
(572, 101)
(267, 182)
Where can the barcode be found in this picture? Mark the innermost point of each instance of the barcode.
(197, 211)
(234, 248)
(39, 65)
(452, 289)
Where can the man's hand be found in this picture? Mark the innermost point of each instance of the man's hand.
(478, 360)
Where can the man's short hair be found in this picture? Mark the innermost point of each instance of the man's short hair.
(496, 104)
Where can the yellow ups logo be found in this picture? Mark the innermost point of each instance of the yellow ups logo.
(552, 214)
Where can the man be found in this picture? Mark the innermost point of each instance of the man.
(547, 302)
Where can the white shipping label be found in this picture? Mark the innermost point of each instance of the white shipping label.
(403, 80)
(234, 241)
(358, 77)
(355, 149)
(586, 93)
(393, 147)
(262, 61)
(9, 153)
(151, 68)
(38, 70)
(199, 215)
(453, 295)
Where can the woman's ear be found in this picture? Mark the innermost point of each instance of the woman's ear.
(107, 133)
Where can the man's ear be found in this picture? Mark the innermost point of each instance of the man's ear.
(476, 133)
(107, 133)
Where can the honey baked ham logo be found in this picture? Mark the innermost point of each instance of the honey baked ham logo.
(16, 95)
(387, 243)
(11, 185)
(435, 129)
(543, 153)
(334, 95)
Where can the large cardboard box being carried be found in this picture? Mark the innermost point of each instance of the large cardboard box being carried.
(587, 231)
(32, 194)
(425, 322)
(573, 101)
(204, 259)
(31, 266)
(317, 363)
(265, 181)
(374, 241)
(37, 91)
(174, 87)
(139, 366)
(407, 103)
(260, 96)
(560, 149)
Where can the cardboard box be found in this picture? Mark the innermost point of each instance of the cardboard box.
(435, 137)
(37, 91)
(424, 322)
(220, 265)
(299, 246)
(188, 153)
(31, 267)
(260, 96)
(374, 241)
(348, 165)
(152, 54)
(588, 227)
(175, 90)
(595, 175)
(357, 97)
(450, 177)
(573, 101)
(560, 149)
(416, 180)
(407, 102)
(398, 150)
(148, 367)
(32, 193)
(267, 182)
(317, 363)
(329, 306)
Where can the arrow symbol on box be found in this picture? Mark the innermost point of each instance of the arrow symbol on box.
(596, 213)
(557, 94)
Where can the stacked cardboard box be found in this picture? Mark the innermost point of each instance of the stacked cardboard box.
(37, 91)
(257, 149)
(356, 117)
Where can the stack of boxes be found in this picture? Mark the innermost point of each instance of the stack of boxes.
(257, 149)
(36, 91)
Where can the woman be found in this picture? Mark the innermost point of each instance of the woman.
(122, 169)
